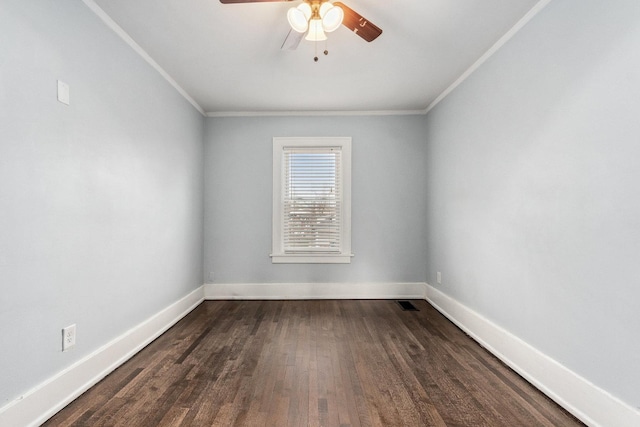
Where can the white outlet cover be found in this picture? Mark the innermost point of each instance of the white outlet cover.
(68, 337)
(63, 92)
(439, 277)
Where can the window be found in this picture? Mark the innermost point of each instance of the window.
(311, 200)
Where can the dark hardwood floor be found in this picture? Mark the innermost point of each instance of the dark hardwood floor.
(313, 363)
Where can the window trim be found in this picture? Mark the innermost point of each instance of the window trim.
(278, 255)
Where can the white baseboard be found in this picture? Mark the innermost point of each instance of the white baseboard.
(42, 402)
(587, 402)
(305, 291)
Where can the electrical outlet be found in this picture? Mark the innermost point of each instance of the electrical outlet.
(68, 337)
(211, 276)
(63, 92)
(439, 278)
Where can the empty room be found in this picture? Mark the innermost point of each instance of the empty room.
(318, 213)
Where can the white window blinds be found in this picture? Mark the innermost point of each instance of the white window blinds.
(312, 199)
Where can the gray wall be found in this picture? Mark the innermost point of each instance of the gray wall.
(388, 204)
(521, 188)
(533, 184)
(100, 201)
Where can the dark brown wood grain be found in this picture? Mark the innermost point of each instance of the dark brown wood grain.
(358, 24)
(313, 363)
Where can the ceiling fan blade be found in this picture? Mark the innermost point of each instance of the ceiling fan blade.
(292, 40)
(356, 23)
(249, 1)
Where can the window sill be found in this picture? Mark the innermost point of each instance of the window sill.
(311, 259)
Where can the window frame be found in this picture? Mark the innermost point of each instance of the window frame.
(278, 254)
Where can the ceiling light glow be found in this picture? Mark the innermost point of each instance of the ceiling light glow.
(331, 17)
(316, 17)
(316, 33)
(298, 17)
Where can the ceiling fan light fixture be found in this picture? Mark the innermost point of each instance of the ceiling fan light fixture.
(298, 17)
(316, 33)
(306, 9)
(332, 17)
(324, 7)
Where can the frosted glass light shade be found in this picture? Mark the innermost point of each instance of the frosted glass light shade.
(298, 17)
(324, 7)
(306, 10)
(332, 17)
(316, 33)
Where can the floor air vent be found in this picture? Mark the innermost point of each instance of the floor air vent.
(407, 306)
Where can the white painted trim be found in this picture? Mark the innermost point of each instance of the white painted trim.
(320, 258)
(306, 291)
(589, 403)
(140, 51)
(489, 53)
(315, 113)
(343, 175)
(43, 401)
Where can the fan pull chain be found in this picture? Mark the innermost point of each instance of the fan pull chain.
(326, 50)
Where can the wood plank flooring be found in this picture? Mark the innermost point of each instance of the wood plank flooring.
(313, 363)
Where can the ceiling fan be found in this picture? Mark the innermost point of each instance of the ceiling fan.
(317, 17)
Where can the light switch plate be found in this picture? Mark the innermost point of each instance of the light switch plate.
(63, 92)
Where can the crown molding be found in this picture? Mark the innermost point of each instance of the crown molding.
(140, 51)
(316, 113)
(489, 53)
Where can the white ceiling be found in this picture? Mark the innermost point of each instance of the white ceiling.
(227, 57)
